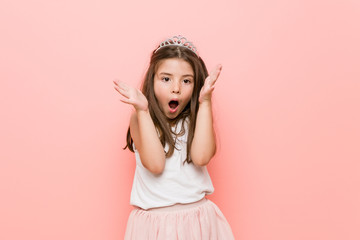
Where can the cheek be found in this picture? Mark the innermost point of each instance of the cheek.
(157, 90)
(159, 94)
(189, 93)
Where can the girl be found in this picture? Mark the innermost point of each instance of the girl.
(171, 133)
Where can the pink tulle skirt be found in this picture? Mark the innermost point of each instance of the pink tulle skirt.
(201, 220)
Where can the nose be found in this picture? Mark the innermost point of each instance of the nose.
(176, 87)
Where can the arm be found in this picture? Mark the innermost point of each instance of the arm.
(147, 142)
(203, 147)
(142, 129)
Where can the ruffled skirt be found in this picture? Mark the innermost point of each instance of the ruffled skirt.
(201, 220)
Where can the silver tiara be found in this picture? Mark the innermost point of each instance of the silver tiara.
(178, 41)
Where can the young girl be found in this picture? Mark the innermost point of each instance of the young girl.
(171, 133)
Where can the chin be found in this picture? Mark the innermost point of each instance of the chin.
(172, 116)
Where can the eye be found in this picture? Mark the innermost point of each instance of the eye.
(165, 79)
(187, 81)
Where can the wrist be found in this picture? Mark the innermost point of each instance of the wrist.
(205, 102)
(142, 109)
(205, 98)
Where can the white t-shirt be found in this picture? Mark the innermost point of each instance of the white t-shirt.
(178, 183)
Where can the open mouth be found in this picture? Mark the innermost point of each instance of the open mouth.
(173, 104)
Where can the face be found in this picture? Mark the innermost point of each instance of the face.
(173, 85)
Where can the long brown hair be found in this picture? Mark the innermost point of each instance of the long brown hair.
(161, 122)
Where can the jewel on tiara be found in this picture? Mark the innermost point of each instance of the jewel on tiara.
(178, 41)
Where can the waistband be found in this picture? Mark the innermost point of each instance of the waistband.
(179, 206)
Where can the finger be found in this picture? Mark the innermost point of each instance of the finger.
(122, 92)
(123, 85)
(208, 81)
(209, 90)
(116, 81)
(215, 73)
(125, 101)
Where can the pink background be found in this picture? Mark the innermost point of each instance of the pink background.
(287, 111)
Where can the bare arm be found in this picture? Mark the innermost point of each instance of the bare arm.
(203, 147)
(147, 141)
(142, 129)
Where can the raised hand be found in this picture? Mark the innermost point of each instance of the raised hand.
(131, 96)
(209, 85)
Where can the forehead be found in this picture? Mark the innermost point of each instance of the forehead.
(174, 66)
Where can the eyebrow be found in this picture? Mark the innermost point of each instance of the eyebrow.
(169, 74)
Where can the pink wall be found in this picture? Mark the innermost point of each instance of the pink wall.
(286, 104)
